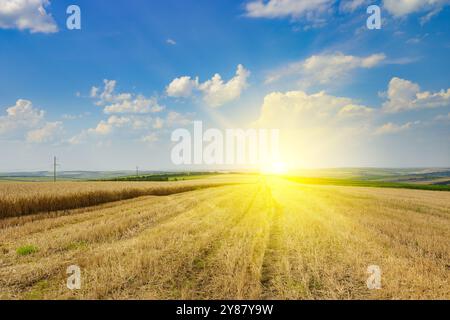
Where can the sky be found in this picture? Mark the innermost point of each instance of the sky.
(109, 96)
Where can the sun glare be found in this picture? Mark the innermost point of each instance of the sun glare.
(275, 168)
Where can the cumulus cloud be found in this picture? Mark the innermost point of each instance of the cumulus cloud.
(317, 11)
(324, 69)
(129, 116)
(47, 133)
(21, 115)
(354, 110)
(391, 128)
(27, 15)
(298, 109)
(123, 102)
(177, 119)
(352, 5)
(150, 138)
(94, 92)
(404, 95)
(316, 129)
(104, 128)
(287, 8)
(140, 104)
(182, 87)
(215, 92)
(171, 42)
(23, 121)
(400, 8)
(129, 126)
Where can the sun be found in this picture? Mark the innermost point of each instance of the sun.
(274, 168)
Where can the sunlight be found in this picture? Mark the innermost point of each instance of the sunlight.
(275, 168)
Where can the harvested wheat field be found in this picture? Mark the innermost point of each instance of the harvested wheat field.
(239, 238)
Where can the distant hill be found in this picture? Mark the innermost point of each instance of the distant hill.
(69, 175)
(437, 176)
(429, 176)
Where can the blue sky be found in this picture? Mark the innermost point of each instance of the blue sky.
(108, 96)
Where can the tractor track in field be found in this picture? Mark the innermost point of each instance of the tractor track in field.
(215, 243)
(273, 250)
(188, 269)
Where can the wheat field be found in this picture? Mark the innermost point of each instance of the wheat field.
(239, 238)
(24, 198)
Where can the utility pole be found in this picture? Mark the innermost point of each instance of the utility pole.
(54, 169)
(137, 172)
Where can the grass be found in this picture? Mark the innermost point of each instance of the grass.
(26, 250)
(269, 239)
(367, 183)
(167, 177)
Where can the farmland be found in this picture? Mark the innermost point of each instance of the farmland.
(20, 199)
(228, 237)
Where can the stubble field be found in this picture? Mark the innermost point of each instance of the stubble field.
(251, 237)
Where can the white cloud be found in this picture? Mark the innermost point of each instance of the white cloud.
(119, 121)
(27, 15)
(316, 11)
(123, 102)
(297, 109)
(404, 95)
(287, 8)
(316, 129)
(24, 122)
(445, 117)
(94, 92)
(391, 128)
(215, 92)
(401, 8)
(177, 119)
(150, 138)
(21, 115)
(323, 69)
(107, 94)
(414, 41)
(75, 116)
(352, 5)
(128, 116)
(171, 42)
(106, 127)
(140, 104)
(103, 128)
(430, 15)
(123, 127)
(182, 87)
(47, 133)
(354, 110)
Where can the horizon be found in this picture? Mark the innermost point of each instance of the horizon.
(225, 170)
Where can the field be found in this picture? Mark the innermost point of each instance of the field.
(227, 237)
(20, 199)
